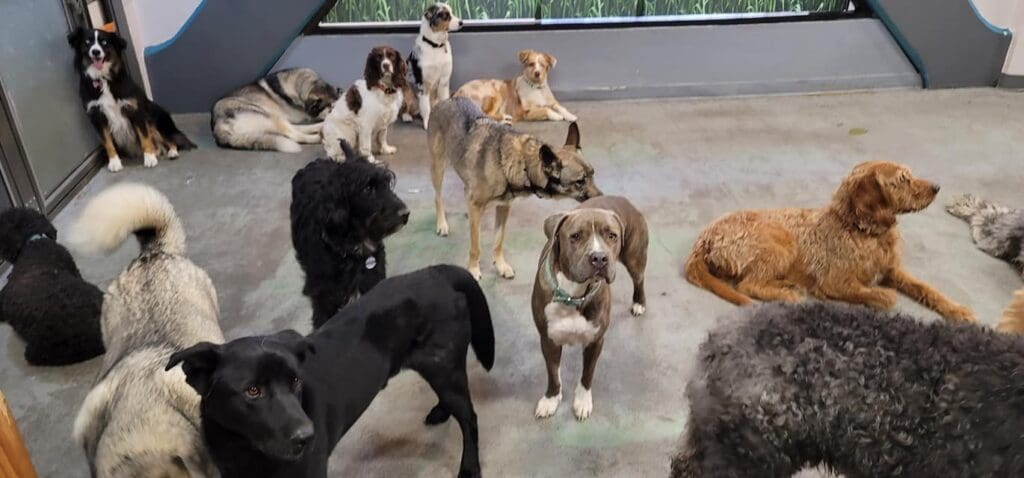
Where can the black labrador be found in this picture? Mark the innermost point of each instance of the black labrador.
(277, 405)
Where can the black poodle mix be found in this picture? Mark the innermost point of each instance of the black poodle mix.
(46, 300)
(341, 212)
(862, 392)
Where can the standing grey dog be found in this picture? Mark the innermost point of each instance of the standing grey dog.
(496, 165)
(997, 230)
(278, 112)
(862, 392)
(139, 420)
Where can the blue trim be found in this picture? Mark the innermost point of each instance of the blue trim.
(994, 29)
(154, 49)
(280, 52)
(901, 40)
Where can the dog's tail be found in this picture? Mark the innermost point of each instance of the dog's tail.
(165, 125)
(127, 208)
(699, 274)
(481, 328)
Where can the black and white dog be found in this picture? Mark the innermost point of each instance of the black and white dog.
(340, 214)
(276, 405)
(431, 57)
(125, 118)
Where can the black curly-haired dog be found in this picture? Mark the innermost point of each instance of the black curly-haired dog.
(341, 212)
(862, 392)
(46, 300)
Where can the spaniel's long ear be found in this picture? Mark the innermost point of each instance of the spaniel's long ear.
(863, 200)
(398, 79)
(372, 71)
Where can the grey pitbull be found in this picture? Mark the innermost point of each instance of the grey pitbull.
(498, 164)
(571, 297)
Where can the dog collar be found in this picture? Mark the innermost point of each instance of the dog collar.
(36, 237)
(560, 295)
(435, 45)
(536, 86)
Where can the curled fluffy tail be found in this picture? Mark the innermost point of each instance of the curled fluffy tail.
(129, 208)
(481, 328)
(698, 273)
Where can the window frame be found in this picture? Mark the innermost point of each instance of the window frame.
(860, 9)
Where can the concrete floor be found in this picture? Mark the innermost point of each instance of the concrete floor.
(682, 162)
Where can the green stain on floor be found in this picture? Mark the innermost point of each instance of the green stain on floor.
(596, 434)
(858, 131)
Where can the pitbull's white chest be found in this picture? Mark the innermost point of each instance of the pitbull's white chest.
(566, 326)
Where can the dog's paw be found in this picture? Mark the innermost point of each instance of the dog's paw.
(149, 160)
(583, 404)
(172, 153)
(437, 416)
(388, 149)
(569, 117)
(406, 118)
(637, 310)
(442, 228)
(505, 270)
(507, 119)
(961, 313)
(475, 272)
(424, 123)
(114, 164)
(372, 159)
(547, 406)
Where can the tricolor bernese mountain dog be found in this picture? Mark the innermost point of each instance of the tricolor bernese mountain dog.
(125, 118)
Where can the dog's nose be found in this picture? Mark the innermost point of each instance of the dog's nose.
(301, 438)
(599, 259)
(935, 188)
(404, 214)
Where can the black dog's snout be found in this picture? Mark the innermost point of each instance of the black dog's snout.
(95, 53)
(599, 259)
(935, 188)
(404, 214)
(301, 438)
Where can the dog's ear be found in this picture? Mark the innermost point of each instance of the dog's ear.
(863, 201)
(300, 346)
(198, 362)
(347, 150)
(549, 160)
(372, 71)
(401, 71)
(573, 137)
(119, 42)
(553, 223)
(524, 56)
(552, 61)
(76, 36)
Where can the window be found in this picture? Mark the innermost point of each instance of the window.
(562, 11)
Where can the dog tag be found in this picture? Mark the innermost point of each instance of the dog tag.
(371, 262)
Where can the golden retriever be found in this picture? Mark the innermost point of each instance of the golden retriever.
(847, 251)
(526, 97)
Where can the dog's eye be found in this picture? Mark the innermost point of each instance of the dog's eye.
(581, 182)
(253, 391)
(296, 384)
(575, 236)
(370, 187)
(613, 236)
(103, 42)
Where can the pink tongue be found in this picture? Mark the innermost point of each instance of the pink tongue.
(97, 64)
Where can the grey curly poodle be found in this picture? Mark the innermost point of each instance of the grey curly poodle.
(860, 392)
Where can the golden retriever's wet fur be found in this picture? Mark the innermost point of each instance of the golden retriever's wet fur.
(526, 97)
(847, 251)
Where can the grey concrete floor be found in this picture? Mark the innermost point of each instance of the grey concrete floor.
(682, 162)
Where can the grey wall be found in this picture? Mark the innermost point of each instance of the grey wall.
(41, 89)
(654, 62)
(227, 43)
(950, 44)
